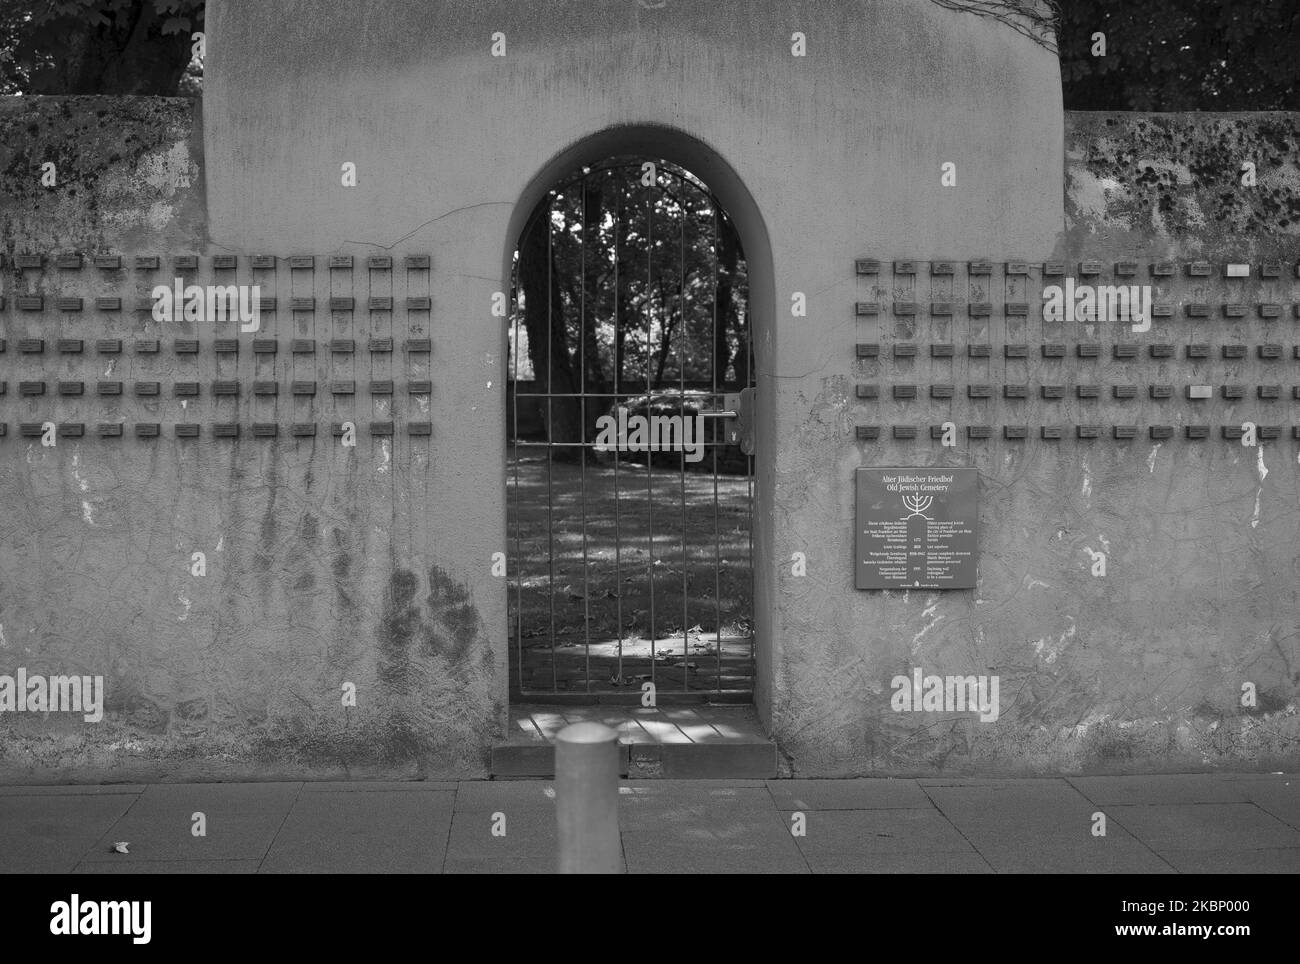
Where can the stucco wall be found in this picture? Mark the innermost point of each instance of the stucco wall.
(372, 565)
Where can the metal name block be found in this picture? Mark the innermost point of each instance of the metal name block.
(186, 262)
(225, 346)
(262, 262)
(1233, 431)
(1197, 310)
(980, 268)
(979, 351)
(265, 346)
(109, 429)
(1270, 269)
(24, 262)
(225, 262)
(226, 386)
(1053, 391)
(267, 303)
(1017, 309)
(980, 309)
(225, 430)
(185, 389)
(1124, 392)
(904, 392)
(1017, 267)
(108, 303)
(382, 386)
(1162, 391)
(941, 391)
(904, 308)
(265, 429)
(1126, 269)
(68, 304)
(907, 350)
(904, 267)
(861, 308)
(379, 262)
(1269, 310)
(419, 387)
(380, 303)
(943, 268)
(1269, 392)
(303, 346)
(1051, 432)
(1088, 391)
(419, 428)
(1234, 391)
(866, 266)
(1234, 311)
(1087, 431)
(1125, 431)
(904, 431)
(303, 388)
(1161, 351)
(1234, 351)
(147, 429)
(31, 346)
(1015, 431)
(1088, 350)
(147, 346)
(1162, 269)
(30, 429)
(1125, 351)
(941, 309)
(381, 344)
(418, 262)
(1200, 391)
(867, 350)
(1199, 269)
(303, 261)
(1015, 391)
(381, 428)
(1270, 352)
(936, 431)
(266, 388)
(108, 388)
(147, 262)
(187, 430)
(29, 302)
(304, 303)
(71, 346)
(979, 431)
(419, 303)
(1198, 350)
(1236, 271)
(342, 387)
(979, 391)
(1162, 311)
(72, 388)
(185, 346)
(1053, 269)
(343, 345)
(70, 261)
(867, 433)
(1015, 351)
(1269, 432)
(942, 350)
(72, 429)
(341, 262)
(303, 430)
(342, 303)
(144, 304)
(31, 388)
(148, 388)
(1089, 268)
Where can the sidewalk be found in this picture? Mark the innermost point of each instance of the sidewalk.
(1244, 823)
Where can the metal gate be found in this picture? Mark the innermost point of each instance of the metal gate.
(630, 476)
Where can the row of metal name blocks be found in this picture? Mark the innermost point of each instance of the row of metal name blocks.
(218, 429)
(1020, 309)
(903, 393)
(220, 387)
(1085, 269)
(74, 261)
(871, 433)
(190, 346)
(264, 303)
(1198, 350)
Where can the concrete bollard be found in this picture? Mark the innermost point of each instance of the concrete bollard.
(586, 799)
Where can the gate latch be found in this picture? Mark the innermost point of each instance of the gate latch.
(738, 419)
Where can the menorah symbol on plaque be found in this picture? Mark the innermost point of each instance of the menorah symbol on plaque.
(917, 504)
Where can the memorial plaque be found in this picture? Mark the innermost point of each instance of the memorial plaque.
(917, 528)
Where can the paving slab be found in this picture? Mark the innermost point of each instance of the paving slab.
(169, 867)
(1048, 806)
(885, 863)
(48, 834)
(677, 806)
(862, 794)
(378, 832)
(1280, 797)
(379, 786)
(747, 842)
(87, 790)
(863, 834)
(1161, 788)
(1205, 826)
(241, 821)
(477, 796)
(1112, 854)
(1282, 861)
(529, 844)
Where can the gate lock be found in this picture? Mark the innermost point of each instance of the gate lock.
(738, 419)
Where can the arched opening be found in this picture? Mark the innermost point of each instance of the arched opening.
(630, 483)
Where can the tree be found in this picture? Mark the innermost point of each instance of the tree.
(96, 46)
